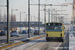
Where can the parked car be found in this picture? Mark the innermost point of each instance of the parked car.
(3, 32)
(24, 32)
(36, 32)
(14, 33)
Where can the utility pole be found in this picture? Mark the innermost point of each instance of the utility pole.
(56, 17)
(20, 19)
(52, 15)
(34, 21)
(20, 22)
(31, 18)
(11, 13)
(28, 18)
(45, 15)
(48, 15)
(4, 15)
(0, 15)
(8, 34)
(39, 16)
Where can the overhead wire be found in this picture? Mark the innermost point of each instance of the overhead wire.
(58, 2)
(46, 1)
(51, 1)
(52, 7)
(33, 1)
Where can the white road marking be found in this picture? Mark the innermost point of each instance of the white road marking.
(58, 46)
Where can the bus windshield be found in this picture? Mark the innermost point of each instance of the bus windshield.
(53, 27)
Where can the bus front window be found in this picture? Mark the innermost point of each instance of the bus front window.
(54, 28)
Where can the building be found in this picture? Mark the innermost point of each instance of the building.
(13, 18)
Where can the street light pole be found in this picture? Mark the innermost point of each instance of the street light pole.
(12, 11)
(12, 15)
(28, 18)
(45, 16)
(39, 16)
(20, 22)
(0, 15)
(48, 15)
(34, 21)
(8, 34)
(20, 19)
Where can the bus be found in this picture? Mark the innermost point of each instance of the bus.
(54, 31)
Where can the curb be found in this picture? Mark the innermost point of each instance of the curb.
(28, 39)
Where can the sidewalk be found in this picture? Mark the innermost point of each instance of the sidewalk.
(71, 41)
(16, 42)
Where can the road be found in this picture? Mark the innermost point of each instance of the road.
(42, 44)
(21, 36)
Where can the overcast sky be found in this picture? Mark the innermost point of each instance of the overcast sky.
(22, 6)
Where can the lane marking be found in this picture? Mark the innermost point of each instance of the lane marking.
(58, 46)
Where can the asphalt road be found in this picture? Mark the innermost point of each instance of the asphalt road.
(52, 45)
(42, 44)
(21, 36)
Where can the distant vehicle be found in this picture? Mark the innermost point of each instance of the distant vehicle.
(44, 30)
(36, 32)
(31, 31)
(14, 33)
(0, 33)
(20, 32)
(3, 32)
(54, 31)
(24, 32)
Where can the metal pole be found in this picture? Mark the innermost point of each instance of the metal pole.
(8, 34)
(31, 18)
(20, 22)
(49, 15)
(34, 21)
(45, 15)
(0, 15)
(39, 16)
(11, 13)
(4, 15)
(28, 18)
(56, 16)
(11, 17)
(34, 18)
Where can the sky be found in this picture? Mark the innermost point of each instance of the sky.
(22, 6)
